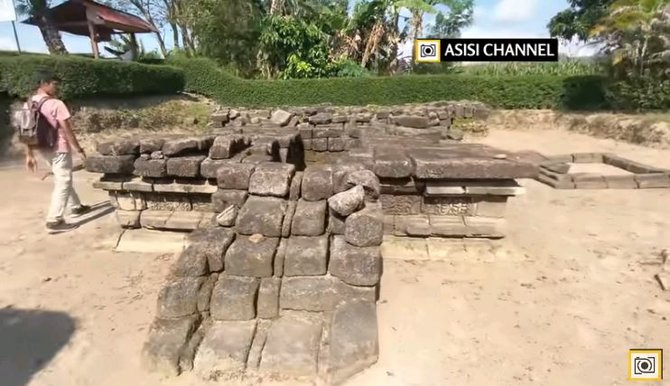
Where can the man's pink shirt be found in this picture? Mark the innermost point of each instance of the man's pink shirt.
(54, 110)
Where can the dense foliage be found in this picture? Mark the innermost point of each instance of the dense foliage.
(533, 91)
(86, 77)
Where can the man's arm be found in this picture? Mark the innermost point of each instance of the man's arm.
(71, 138)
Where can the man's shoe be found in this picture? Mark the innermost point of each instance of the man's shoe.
(60, 226)
(82, 209)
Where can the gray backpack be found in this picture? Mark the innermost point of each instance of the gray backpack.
(33, 128)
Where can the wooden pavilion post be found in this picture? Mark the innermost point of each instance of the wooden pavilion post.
(94, 42)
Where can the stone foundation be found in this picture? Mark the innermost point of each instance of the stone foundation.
(284, 284)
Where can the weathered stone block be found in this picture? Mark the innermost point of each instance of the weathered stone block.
(179, 298)
(234, 176)
(335, 144)
(268, 298)
(138, 185)
(213, 243)
(294, 190)
(205, 293)
(368, 180)
(224, 348)
(150, 145)
(354, 340)
(262, 215)
(222, 199)
(309, 218)
(414, 225)
(166, 343)
(365, 228)
(192, 262)
(281, 117)
(234, 298)
(430, 165)
(306, 256)
(251, 256)
(587, 158)
(154, 219)
(280, 256)
(485, 227)
(621, 182)
(393, 166)
(412, 121)
(226, 146)
(558, 184)
(188, 166)
(401, 204)
(321, 118)
(652, 180)
(447, 226)
(292, 346)
(319, 293)
(179, 146)
(128, 218)
(271, 179)
(120, 146)
(110, 164)
(209, 167)
(589, 181)
(355, 265)
(156, 168)
(110, 183)
(317, 183)
(347, 202)
(319, 144)
(288, 219)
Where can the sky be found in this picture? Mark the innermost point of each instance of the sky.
(492, 18)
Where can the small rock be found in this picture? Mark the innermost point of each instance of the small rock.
(455, 134)
(367, 179)
(500, 156)
(347, 202)
(663, 280)
(281, 117)
(227, 217)
(157, 155)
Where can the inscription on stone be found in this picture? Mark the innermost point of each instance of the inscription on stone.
(448, 206)
(401, 204)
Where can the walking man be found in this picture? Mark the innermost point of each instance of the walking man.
(55, 117)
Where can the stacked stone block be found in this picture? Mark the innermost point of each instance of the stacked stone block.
(327, 128)
(280, 289)
(555, 173)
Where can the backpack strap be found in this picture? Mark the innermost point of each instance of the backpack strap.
(40, 103)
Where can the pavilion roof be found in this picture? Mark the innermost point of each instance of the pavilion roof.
(73, 16)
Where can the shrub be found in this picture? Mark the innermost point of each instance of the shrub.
(86, 77)
(513, 92)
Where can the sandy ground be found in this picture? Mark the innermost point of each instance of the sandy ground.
(559, 302)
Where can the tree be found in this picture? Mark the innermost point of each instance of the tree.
(637, 34)
(579, 19)
(450, 25)
(39, 11)
(153, 11)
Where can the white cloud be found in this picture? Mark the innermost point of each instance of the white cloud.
(511, 11)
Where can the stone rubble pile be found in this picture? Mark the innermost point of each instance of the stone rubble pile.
(334, 128)
(287, 286)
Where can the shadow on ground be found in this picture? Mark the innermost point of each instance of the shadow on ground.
(29, 339)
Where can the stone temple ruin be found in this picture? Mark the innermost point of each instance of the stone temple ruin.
(287, 212)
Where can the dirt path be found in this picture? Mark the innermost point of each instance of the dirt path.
(573, 293)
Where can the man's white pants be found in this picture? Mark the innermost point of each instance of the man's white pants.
(63, 196)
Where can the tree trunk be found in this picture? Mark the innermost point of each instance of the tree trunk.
(175, 35)
(274, 7)
(161, 44)
(417, 25)
(51, 36)
(186, 40)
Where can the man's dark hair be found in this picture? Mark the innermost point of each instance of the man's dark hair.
(45, 76)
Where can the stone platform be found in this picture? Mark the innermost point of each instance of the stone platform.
(284, 283)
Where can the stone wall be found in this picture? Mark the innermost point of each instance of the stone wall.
(285, 282)
(335, 128)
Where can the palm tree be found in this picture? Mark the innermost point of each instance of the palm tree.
(637, 32)
(39, 11)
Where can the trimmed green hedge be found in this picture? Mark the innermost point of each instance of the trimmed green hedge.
(511, 92)
(86, 77)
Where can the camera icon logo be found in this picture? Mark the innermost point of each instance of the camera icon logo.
(427, 51)
(645, 364)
